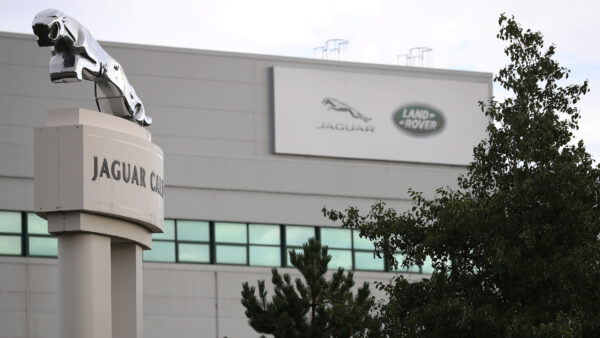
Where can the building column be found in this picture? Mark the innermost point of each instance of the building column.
(127, 291)
(85, 285)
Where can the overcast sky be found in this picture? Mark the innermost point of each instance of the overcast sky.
(461, 33)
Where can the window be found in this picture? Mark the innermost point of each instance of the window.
(39, 241)
(193, 241)
(339, 242)
(230, 241)
(295, 237)
(427, 268)
(364, 254)
(10, 233)
(411, 269)
(265, 244)
(163, 244)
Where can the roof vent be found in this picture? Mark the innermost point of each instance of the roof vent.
(331, 50)
(416, 57)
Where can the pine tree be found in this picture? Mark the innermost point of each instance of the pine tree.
(315, 307)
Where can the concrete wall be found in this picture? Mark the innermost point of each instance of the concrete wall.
(180, 300)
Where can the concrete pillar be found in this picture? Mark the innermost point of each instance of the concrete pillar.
(85, 285)
(127, 291)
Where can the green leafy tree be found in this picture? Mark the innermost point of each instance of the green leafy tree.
(315, 307)
(515, 247)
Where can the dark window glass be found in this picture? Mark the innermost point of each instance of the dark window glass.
(230, 232)
(265, 256)
(365, 260)
(361, 242)
(10, 245)
(336, 238)
(198, 253)
(231, 254)
(168, 231)
(264, 234)
(296, 236)
(412, 269)
(43, 246)
(340, 258)
(36, 225)
(161, 252)
(192, 231)
(427, 268)
(10, 221)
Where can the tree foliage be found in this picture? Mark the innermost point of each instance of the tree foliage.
(515, 247)
(315, 307)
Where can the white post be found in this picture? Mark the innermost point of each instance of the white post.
(85, 285)
(127, 291)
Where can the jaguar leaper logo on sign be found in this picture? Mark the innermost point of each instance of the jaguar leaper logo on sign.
(419, 119)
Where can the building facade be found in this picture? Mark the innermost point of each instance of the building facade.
(250, 161)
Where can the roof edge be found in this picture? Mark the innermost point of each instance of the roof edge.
(484, 76)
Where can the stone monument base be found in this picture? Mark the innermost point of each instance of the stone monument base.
(98, 182)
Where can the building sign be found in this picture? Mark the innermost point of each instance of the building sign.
(123, 171)
(425, 117)
(419, 119)
(100, 164)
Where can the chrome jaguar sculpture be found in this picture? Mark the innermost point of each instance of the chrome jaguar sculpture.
(338, 105)
(77, 56)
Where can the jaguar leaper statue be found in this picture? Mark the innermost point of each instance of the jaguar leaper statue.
(77, 56)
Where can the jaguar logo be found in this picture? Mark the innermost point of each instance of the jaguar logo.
(335, 104)
(77, 56)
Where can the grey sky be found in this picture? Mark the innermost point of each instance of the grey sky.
(461, 33)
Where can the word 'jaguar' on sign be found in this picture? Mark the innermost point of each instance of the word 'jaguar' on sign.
(122, 171)
(419, 119)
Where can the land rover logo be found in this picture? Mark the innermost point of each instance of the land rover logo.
(419, 119)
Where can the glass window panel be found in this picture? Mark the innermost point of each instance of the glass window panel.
(36, 224)
(230, 232)
(43, 246)
(341, 258)
(10, 221)
(361, 242)
(231, 254)
(367, 261)
(199, 253)
(161, 252)
(265, 256)
(289, 262)
(298, 235)
(264, 234)
(400, 258)
(168, 231)
(427, 268)
(336, 238)
(192, 231)
(10, 245)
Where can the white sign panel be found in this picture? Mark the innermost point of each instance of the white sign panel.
(427, 119)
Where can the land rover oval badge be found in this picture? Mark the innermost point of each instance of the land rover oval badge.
(419, 119)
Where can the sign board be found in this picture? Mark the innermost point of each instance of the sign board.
(423, 118)
(98, 163)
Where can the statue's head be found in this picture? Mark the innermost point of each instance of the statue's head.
(47, 26)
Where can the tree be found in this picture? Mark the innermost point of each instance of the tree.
(515, 246)
(315, 308)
